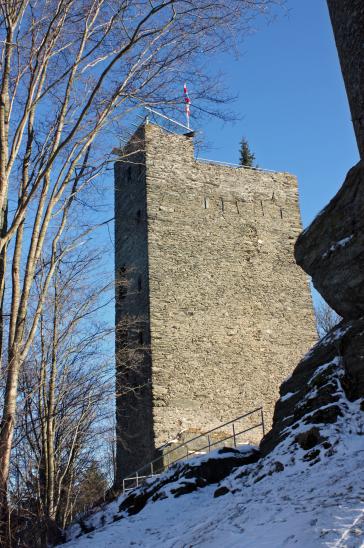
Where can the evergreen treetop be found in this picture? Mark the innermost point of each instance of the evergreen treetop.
(246, 155)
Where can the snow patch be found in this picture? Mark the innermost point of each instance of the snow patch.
(287, 396)
(341, 243)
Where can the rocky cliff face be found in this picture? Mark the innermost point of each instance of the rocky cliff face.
(331, 251)
(347, 19)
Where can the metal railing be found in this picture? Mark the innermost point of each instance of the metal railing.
(168, 119)
(191, 448)
(238, 166)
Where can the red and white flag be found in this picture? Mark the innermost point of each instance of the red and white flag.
(187, 104)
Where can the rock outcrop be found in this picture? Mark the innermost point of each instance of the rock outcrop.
(187, 477)
(347, 19)
(331, 249)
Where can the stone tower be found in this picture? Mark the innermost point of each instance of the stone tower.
(212, 312)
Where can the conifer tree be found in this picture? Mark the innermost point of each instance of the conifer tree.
(246, 155)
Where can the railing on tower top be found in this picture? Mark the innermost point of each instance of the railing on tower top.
(191, 448)
(173, 126)
(237, 166)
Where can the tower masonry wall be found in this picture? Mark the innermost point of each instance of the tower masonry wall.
(230, 313)
(134, 417)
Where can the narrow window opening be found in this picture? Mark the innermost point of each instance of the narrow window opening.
(237, 208)
(222, 204)
(123, 289)
(139, 216)
(206, 202)
(126, 373)
(261, 205)
(141, 338)
(281, 213)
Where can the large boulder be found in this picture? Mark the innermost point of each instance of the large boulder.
(331, 249)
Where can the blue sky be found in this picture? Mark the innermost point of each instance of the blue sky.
(291, 102)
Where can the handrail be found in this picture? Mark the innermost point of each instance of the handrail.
(139, 477)
(209, 431)
(239, 166)
(219, 441)
(168, 118)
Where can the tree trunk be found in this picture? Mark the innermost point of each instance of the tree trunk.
(3, 228)
(51, 509)
(6, 438)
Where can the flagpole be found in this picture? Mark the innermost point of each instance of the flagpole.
(187, 105)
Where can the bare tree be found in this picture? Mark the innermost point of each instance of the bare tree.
(65, 400)
(70, 69)
(326, 318)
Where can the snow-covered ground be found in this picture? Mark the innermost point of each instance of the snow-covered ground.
(314, 506)
(284, 500)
